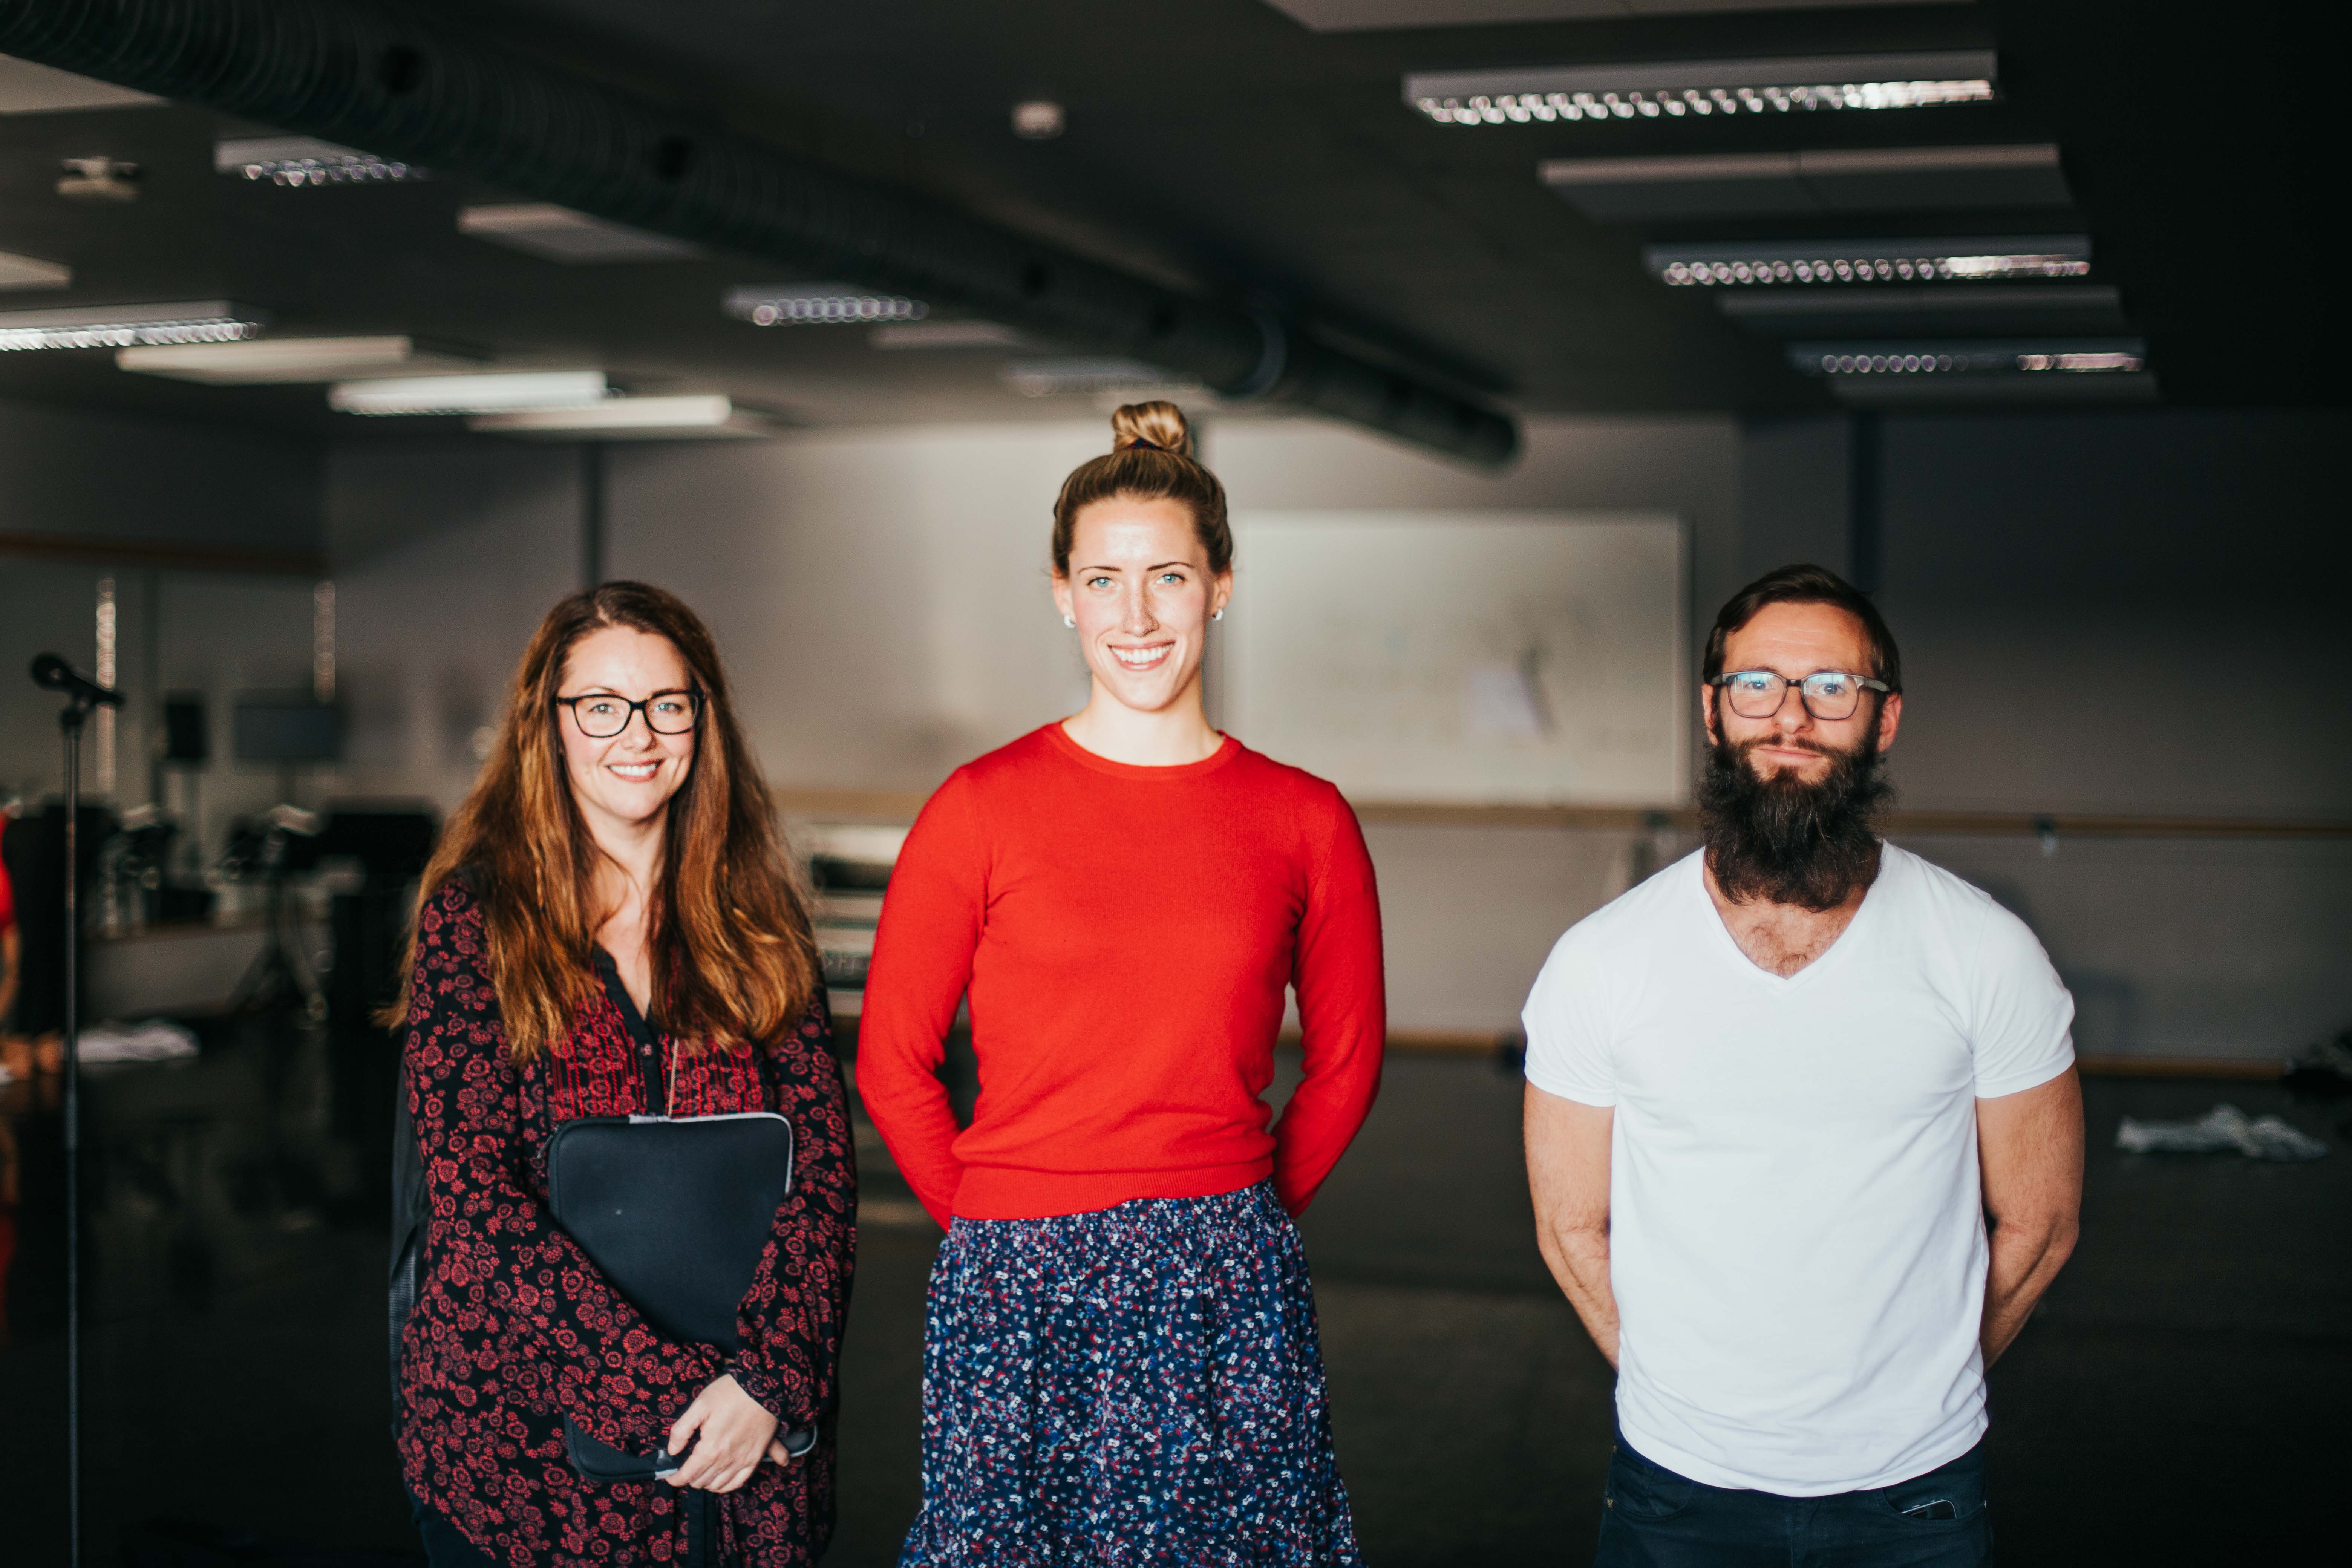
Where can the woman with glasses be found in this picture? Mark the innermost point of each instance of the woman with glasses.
(1120, 1361)
(609, 928)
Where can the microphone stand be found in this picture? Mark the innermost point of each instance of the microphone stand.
(76, 711)
(54, 674)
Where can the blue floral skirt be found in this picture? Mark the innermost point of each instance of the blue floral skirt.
(1140, 1387)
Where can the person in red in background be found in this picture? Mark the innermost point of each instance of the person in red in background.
(1120, 1353)
(10, 1165)
(11, 949)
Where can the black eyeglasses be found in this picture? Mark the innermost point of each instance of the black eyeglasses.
(1826, 693)
(601, 715)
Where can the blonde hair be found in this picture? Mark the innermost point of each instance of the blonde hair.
(1150, 459)
(733, 955)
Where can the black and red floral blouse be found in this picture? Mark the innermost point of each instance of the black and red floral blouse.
(514, 1329)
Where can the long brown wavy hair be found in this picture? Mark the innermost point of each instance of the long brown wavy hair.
(732, 955)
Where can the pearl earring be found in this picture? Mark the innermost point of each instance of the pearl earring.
(1216, 615)
(1071, 622)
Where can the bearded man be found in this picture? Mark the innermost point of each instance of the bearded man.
(1803, 1133)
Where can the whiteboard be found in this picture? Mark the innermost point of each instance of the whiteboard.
(1506, 657)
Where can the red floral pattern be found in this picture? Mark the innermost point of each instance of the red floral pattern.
(514, 1329)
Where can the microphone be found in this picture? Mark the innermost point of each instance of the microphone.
(55, 674)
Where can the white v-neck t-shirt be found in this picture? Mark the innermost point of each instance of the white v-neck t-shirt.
(1797, 1239)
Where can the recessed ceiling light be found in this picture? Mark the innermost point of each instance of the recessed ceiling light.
(1074, 377)
(949, 335)
(299, 161)
(820, 305)
(492, 392)
(122, 326)
(282, 360)
(1038, 120)
(2079, 356)
(559, 233)
(31, 272)
(1703, 89)
(1818, 261)
(683, 418)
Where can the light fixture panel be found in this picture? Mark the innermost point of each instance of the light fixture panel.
(820, 305)
(265, 362)
(1971, 357)
(32, 272)
(492, 392)
(297, 162)
(1968, 259)
(1086, 377)
(1866, 179)
(559, 233)
(696, 416)
(1704, 89)
(128, 326)
(27, 88)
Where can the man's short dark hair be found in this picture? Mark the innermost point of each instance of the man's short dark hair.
(1807, 585)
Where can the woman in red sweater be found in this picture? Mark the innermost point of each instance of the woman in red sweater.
(1121, 1359)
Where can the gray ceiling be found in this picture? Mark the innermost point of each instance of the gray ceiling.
(1225, 146)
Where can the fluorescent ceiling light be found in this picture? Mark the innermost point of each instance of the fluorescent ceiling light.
(695, 418)
(31, 272)
(1065, 377)
(282, 360)
(29, 88)
(1967, 260)
(2077, 356)
(1874, 179)
(1703, 89)
(949, 335)
(821, 305)
(298, 161)
(122, 326)
(493, 392)
(559, 233)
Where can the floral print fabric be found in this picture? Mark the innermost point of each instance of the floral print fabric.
(514, 1329)
(1139, 1386)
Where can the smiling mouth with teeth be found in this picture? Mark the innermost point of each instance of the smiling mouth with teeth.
(636, 772)
(1142, 657)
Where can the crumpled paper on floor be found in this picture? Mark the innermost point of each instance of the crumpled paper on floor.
(158, 1039)
(2224, 1130)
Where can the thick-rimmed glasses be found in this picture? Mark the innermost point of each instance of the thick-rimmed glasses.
(1826, 693)
(601, 715)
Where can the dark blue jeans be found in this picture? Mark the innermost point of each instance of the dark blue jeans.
(1653, 1518)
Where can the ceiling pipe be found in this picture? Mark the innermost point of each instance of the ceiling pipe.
(362, 76)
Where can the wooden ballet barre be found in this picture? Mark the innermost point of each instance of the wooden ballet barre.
(901, 806)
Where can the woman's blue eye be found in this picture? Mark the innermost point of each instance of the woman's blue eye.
(1096, 581)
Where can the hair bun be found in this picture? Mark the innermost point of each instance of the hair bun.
(1159, 425)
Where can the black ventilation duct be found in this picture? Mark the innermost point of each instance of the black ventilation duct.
(364, 76)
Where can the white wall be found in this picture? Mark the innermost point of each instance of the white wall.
(445, 556)
(881, 596)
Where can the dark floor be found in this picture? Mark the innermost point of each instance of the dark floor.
(2186, 1398)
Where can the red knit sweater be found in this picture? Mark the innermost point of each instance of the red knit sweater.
(1125, 935)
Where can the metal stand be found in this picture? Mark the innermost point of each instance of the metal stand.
(76, 711)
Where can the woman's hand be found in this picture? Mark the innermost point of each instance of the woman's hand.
(737, 1432)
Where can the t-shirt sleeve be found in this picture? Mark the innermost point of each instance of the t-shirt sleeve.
(2022, 1030)
(1569, 1050)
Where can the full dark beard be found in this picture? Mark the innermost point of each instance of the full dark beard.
(1786, 841)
